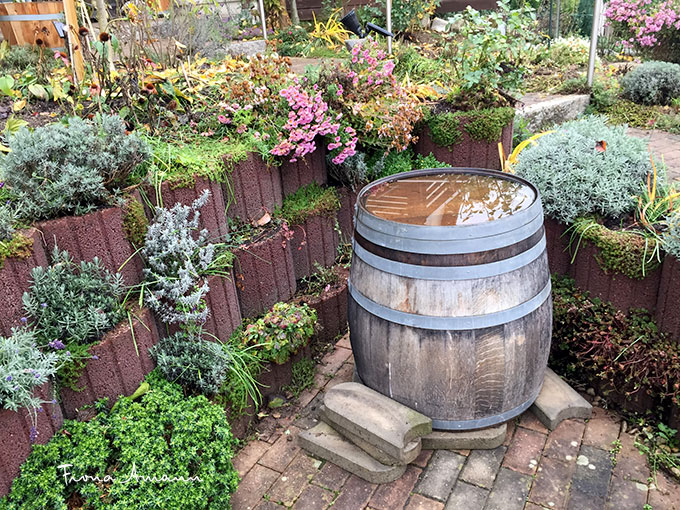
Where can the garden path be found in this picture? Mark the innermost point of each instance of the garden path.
(569, 468)
(663, 144)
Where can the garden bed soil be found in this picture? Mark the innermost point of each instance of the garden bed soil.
(466, 152)
(311, 168)
(15, 427)
(264, 272)
(122, 360)
(331, 308)
(98, 234)
(314, 242)
(15, 279)
(622, 291)
(212, 216)
(348, 199)
(252, 189)
(668, 299)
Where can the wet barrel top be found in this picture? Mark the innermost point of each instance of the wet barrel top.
(464, 210)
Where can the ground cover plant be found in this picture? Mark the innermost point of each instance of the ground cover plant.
(159, 433)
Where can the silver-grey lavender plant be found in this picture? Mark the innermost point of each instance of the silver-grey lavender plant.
(178, 257)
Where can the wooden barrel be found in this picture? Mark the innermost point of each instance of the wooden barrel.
(450, 309)
(25, 23)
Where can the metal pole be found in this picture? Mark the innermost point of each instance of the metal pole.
(262, 18)
(389, 25)
(558, 13)
(593, 41)
(550, 24)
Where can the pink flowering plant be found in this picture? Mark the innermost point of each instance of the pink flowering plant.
(309, 118)
(647, 25)
(375, 105)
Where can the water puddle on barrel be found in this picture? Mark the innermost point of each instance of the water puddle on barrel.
(448, 199)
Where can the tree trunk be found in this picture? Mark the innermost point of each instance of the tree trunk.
(294, 16)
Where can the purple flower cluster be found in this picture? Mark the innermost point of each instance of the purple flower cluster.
(646, 20)
(308, 118)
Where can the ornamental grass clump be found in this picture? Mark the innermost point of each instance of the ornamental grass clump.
(652, 83)
(586, 167)
(73, 303)
(23, 368)
(70, 168)
(179, 258)
(281, 332)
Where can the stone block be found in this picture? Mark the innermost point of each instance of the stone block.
(439, 25)
(326, 443)
(548, 111)
(376, 419)
(558, 401)
(482, 439)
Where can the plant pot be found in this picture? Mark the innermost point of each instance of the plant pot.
(212, 216)
(36, 22)
(622, 291)
(120, 367)
(557, 246)
(348, 199)
(314, 242)
(466, 152)
(99, 234)
(667, 309)
(15, 427)
(15, 279)
(253, 189)
(331, 309)
(311, 168)
(264, 272)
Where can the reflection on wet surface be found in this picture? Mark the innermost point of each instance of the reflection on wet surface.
(448, 199)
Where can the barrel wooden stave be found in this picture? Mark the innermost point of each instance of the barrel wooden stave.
(454, 376)
(451, 298)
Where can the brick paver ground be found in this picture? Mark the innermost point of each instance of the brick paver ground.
(663, 144)
(569, 468)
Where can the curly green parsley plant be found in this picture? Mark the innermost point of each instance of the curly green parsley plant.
(282, 331)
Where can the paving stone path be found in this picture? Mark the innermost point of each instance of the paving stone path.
(663, 144)
(569, 468)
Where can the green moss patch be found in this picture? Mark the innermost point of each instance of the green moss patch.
(135, 222)
(19, 246)
(624, 252)
(310, 200)
(484, 125)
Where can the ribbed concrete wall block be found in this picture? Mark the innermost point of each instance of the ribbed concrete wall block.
(346, 213)
(467, 152)
(212, 218)
(98, 234)
(15, 435)
(304, 171)
(623, 292)
(557, 246)
(118, 365)
(331, 309)
(314, 242)
(668, 298)
(252, 189)
(222, 301)
(264, 272)
(15, 279)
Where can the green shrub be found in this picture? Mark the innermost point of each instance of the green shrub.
(652, 83)
(310, 200)
(595, 344)
(292, 41)
(281, 332)
(567, 51)
(163, 433)
(23, 367)
(68, 168)
(71, 303)
(191, 361)
(576, 177)
(406, 14)
(8, 220)
(671, 239)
